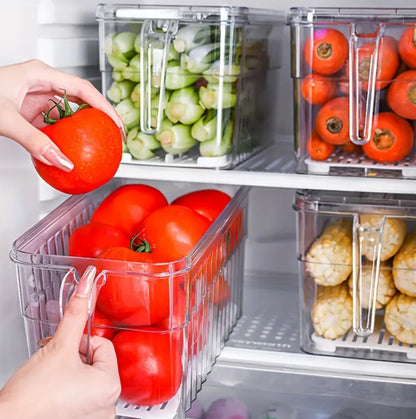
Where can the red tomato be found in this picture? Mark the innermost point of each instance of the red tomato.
(318, 89)
(343, 79)
(196, 330)
(401, 96)
(91, 239)
(173, 231)
(207, 202)
(407, 47)
(176, 318)
(387, 64)
(101, 326)
(326, 50)
(220, 292)
(317, 148)
(149, 364)
(332, 121)
(136, 298)
(391, 138)
(350, 147)
(128, 205)
(93, 142)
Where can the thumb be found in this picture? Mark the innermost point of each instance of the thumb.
(71, 328)
(38, 144)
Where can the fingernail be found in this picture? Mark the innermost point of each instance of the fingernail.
(56, 158)
(43, 342)
(123, 132)
(86, 282)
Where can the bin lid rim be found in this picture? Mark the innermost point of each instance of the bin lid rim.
(188, 13)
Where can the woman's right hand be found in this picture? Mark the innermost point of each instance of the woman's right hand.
(25, 92)
(55, 382)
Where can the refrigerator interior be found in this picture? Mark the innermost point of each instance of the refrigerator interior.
(261, 363)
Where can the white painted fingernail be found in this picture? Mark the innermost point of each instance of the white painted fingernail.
(56, 158)
(86, 282)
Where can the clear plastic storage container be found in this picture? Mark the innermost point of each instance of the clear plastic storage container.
(195, 85)
(357, 267)
(354, 79)
(200, 295)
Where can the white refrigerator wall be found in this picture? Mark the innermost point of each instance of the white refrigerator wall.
(65, 35)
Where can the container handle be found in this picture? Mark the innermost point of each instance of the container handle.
(364, 294)
(67, 288)
(154, 51)
(360, 125)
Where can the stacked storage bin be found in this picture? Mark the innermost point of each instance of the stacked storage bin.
(354, 79)
(202, 294)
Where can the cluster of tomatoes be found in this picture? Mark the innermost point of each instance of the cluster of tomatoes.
(140, 241)
(326, 87)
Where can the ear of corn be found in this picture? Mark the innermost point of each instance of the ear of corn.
(404, 266)
(393, 235)
(332, 311)
(329, 259)
(400, 318)
(385, 286)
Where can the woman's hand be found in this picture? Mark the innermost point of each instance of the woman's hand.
(25, 92)
(55, 382)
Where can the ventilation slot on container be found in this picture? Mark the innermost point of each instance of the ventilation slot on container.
(342, 160)
(380, 340)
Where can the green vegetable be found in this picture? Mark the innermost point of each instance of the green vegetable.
(120, 90)
(200, 58)
(173, 55)
(120, 46)
(190, 36)
(135, 94)
(137, 43)
(154, 108)
(129, 113)
(166, 123)
(117, 75)
(183, 106)
(228, 74)
(177, 77)
(221, 95)
(141, 145)
(132, 70)
(215, 148)
(176, 139)
(117, 63)
(206, 126)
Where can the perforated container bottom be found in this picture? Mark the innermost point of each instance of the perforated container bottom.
(359, 162)
(191, 158)
(166, 410)
(270, 315)
(270, 322)
(379, 340)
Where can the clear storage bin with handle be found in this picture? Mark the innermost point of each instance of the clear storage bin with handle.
(182, 314)
(356, 269)
(195, 85)
(354, 77)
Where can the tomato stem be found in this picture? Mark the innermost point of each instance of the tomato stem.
(383, 139)
(143, 246)
(334, 125)
(324, 50)
(411, 94)
(64, 111)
